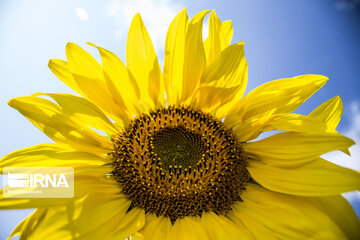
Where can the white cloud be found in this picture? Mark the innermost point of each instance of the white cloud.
(82, 14)
(353, 132)
(156, 14)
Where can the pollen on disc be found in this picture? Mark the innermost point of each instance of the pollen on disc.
(177, 162)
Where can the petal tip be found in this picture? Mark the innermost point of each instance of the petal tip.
(346, 149)
(72, 48)
(69, 45)
(323, 79)
(347, 152)
(91, 44)
(12, 102)
(50, 63)
(338, 99)
(137, 17)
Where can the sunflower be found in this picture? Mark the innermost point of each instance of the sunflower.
(176, 154)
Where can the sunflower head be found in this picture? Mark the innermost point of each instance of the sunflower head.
(183, 160)
(177, 162)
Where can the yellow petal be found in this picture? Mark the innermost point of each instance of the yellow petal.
(219, 38)
(227, 74)
(87, 219)
(46, 224)
(174, 57)
(194, 59)
(225, 109)
(214, 44)
(137, 236)
(290, 122)
(89, 77)
(90, 182)
(296, 148)
(252, 228)
(50, 155)
(208, 98)
(287, 217)
(81, 110)
(82, 63)
(61, 70)
(155, 228)
(226, 33)
(36, 225)
(317, 178)
(220, 227)
(121, 83)
(329, 112)
(97, 93)
(142, 61)
(47, 116)
(188, 228)
(132, 222)
(341, 212)
(99, 218)
(279, 96)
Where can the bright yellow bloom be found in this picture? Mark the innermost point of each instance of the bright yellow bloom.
(172, 168)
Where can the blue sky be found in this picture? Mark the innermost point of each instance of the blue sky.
(282, 39)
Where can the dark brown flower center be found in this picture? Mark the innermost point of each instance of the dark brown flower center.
(179, 162)
(178, 148)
